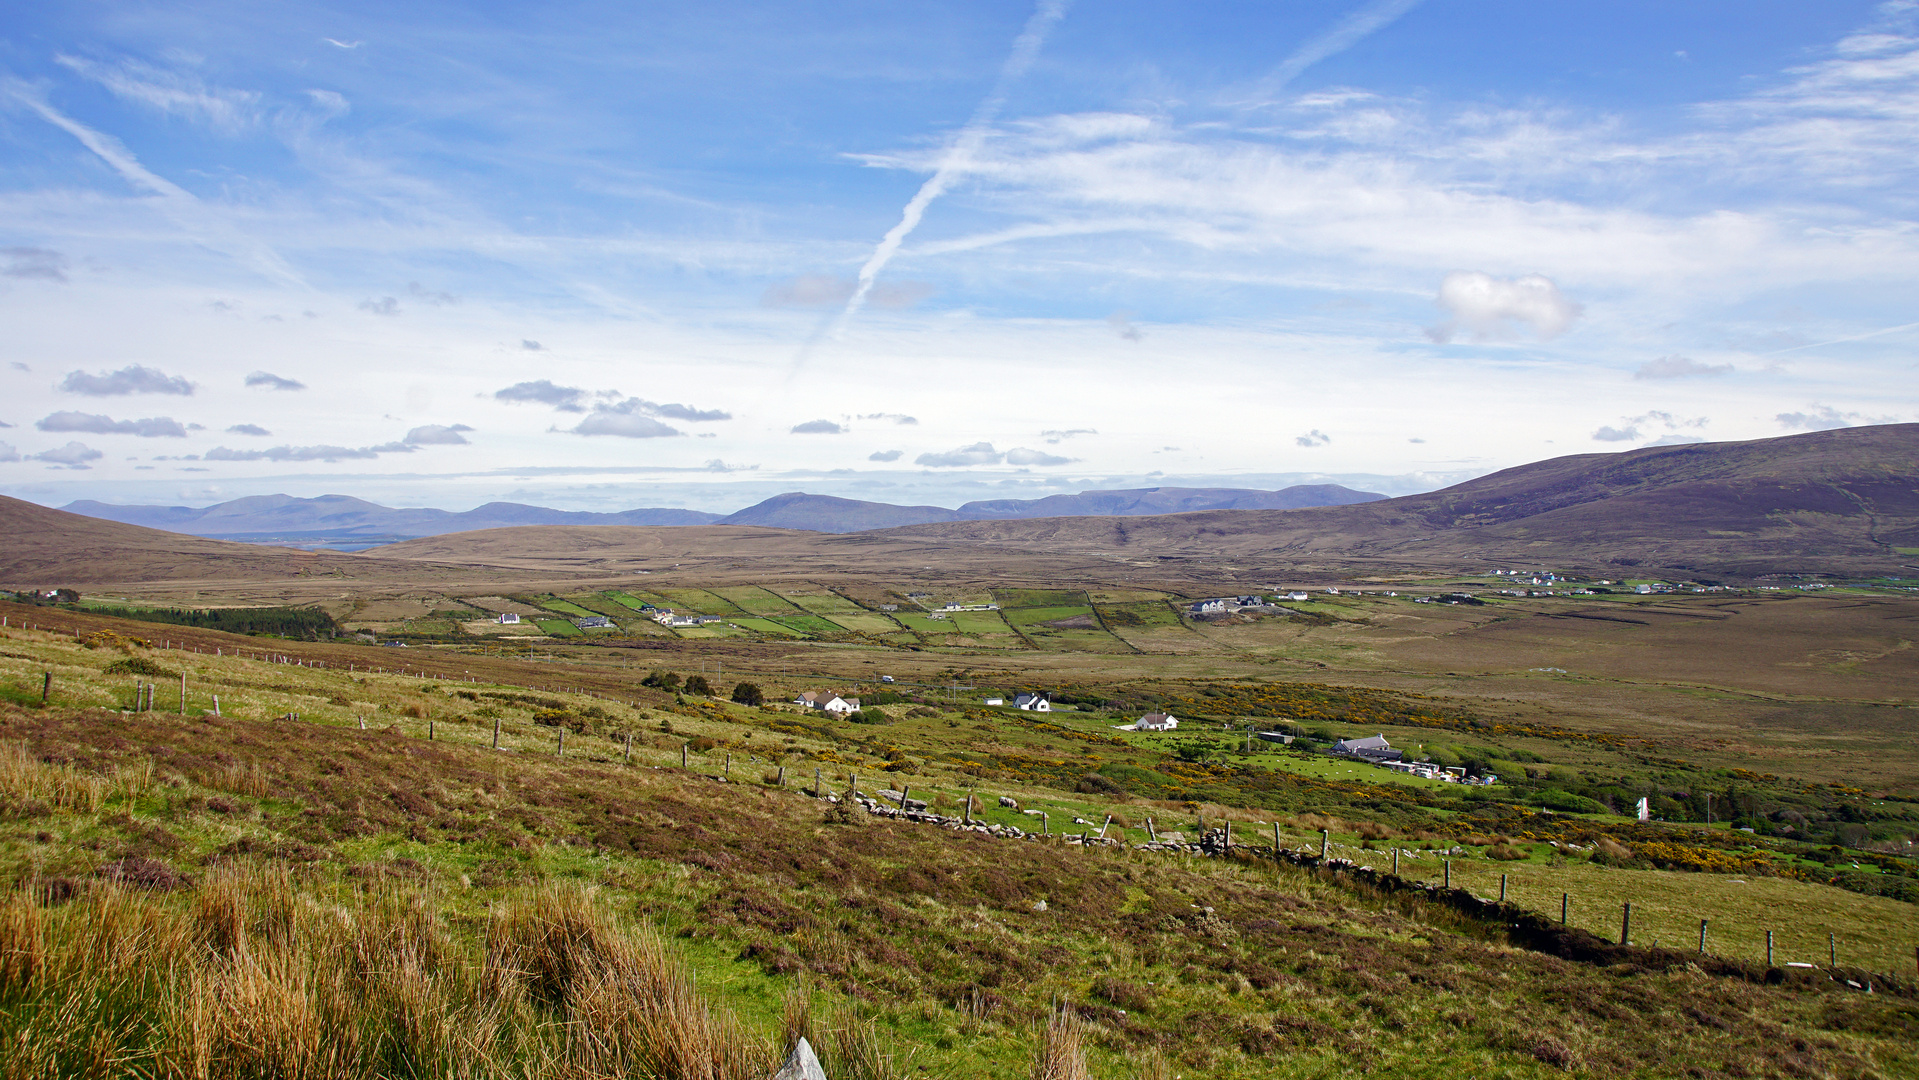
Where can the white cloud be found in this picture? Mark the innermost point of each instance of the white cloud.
(1020, 455)
(1490, 307)
(385, 305)
(92, 423)
(248, 429)
(1825, 417)
(1635, 428)
(74, 455)
(33, 262)
(269, 381)
(885, 455)
(8, 453)
(826, 290)
(438, 435)
(980, 453)
(544, 392)
(173, 92)
(1678, 367)
(818, 427)
(1314, 437)
(624, 420)
(134, 379)
(307, 453)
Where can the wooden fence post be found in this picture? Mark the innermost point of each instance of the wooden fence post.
(1151, 832)
(1702, 937)
(1565, 903)
(782, 780)
(683, 755)
(905, 790)
(627, 759)
(816, 781)
(1768, 948)
(496, 733)
(1502, 888)
(1229, 831)
(560, 750)
(429, 729)
(1832, 949)
(46, 688)
(183, 693)
(1625, 925)
(1449, 873)
(967, 814)
(1395, 861)
(1326, 840)
(1275, 839)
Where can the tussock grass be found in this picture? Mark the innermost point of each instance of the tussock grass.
(251, 977)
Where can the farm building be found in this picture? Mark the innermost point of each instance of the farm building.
(828, 701)
(1033, 703)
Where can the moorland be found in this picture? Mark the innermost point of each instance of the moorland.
(342, 795)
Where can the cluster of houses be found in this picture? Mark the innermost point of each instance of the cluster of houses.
(1226, 605)
(1375, 750)
(1023, 702)
(667, 617)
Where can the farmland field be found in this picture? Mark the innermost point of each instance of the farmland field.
(755, 600)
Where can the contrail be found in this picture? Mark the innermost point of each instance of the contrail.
(1843, 340)
(1344, 36)
(1025, 49)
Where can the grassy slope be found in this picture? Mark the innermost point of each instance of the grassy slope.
(1231, 970)
(1288, 975)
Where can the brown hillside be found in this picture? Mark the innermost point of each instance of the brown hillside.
(46, 548)
(1837, 501)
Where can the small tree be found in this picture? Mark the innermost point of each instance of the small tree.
(747, 693)
(697, 684)
(661, 680)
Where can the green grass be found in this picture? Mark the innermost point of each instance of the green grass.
(767, 626)
(1033, 598)
(558, 627)
(1028, 619)
(565, 607)
(978, 622)
(810, 625)
(698, 602)
(1288, 973)
(756, 600)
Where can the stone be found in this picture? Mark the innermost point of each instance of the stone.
(1039, 906)
(891, 796)
(1009, 802)
(801, 1064)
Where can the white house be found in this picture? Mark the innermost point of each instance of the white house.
(507, 618)
(1155, 721)
(593, 622)
(992, 701)
(1033, 703)
(828, 701)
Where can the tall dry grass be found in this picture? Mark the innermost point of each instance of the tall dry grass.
(250, 977)
(1062, 1052)
(26, 779)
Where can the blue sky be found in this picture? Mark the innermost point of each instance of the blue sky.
(599, 256)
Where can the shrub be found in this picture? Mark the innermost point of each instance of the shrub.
(747, 693)
(661, 680)
(697, 684)
(140, 665)
(1505, 852)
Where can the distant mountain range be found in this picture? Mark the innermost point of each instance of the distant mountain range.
(343, 521)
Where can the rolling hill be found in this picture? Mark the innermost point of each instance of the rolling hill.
(344, 521)
(1844, 501)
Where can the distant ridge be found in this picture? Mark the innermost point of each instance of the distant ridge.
(341, 520)
(1842, 502)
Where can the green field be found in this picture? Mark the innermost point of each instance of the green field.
(865, 622)
(1139, 614)
(699, 602)
(756, 600)
(978, 622)
(565, 607)
(811, 625)
(766, 626)
(1029, 619)
(1039, 598)
(819, 602)
(558, 627)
